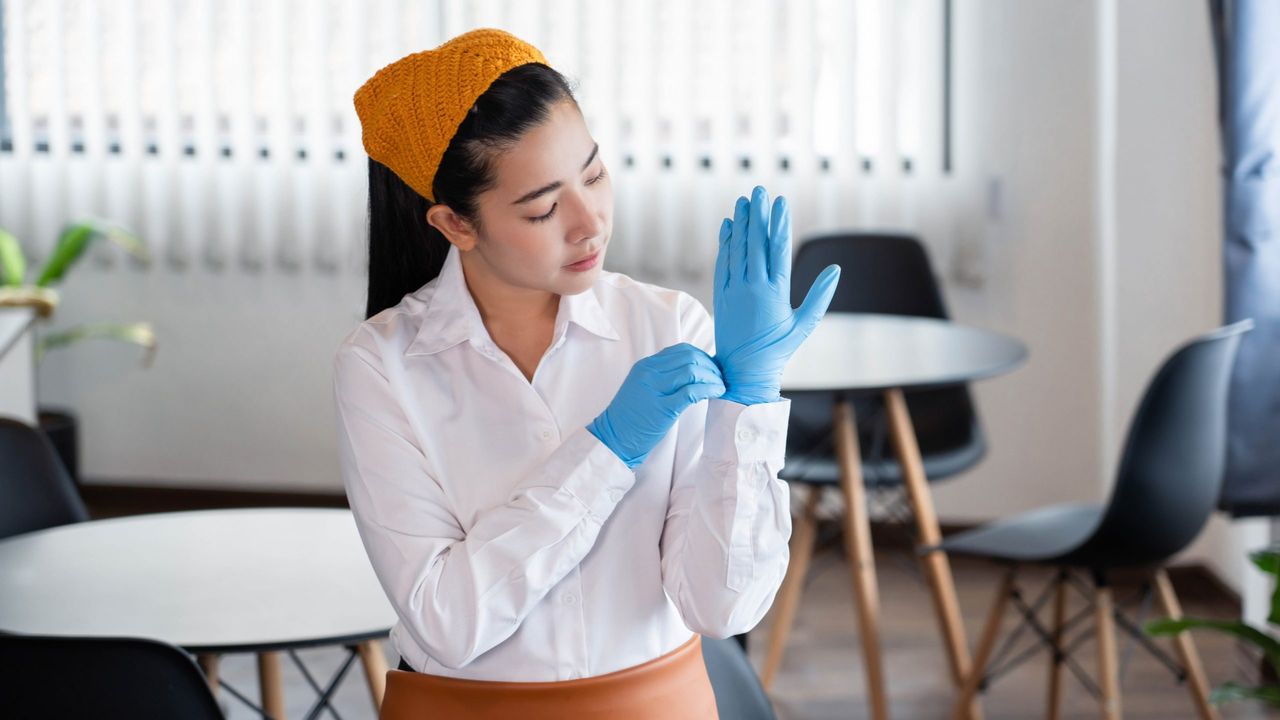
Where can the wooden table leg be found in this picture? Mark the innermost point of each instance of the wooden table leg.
(937, 569)
(857, 532)
(209, 664)
(784, 613)
(270, 684)
(990, 634)
(375, 669)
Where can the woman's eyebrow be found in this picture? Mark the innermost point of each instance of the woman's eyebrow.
(527, 197)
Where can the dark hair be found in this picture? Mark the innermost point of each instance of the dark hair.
(405, 252)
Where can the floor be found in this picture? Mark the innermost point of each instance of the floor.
(822, 675)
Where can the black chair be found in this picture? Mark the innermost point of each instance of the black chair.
(1166, 486)
(885, 274)
(106, 678)
(738, 691)
(38, 493)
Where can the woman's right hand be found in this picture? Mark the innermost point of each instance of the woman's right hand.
(652, 396)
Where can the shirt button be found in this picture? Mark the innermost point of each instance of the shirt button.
(746, 435)
(615, 495)
(568, 599)
(546, 434)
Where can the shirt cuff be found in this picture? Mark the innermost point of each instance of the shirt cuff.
(592, 473)
(738, 433)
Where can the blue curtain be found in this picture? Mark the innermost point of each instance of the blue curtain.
(1247, 43)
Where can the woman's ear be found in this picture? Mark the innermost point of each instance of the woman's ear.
(455, 228)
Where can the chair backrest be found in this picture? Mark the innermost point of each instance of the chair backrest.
(889, 274)
(1174, 457)
(36, 490)
(68, 677)
(879, 273)
(738, 691)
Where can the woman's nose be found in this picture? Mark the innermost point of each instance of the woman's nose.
(588, 223)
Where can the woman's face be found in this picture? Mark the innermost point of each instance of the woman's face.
(551, 206)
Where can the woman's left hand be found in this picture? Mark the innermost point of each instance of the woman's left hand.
(756, 329)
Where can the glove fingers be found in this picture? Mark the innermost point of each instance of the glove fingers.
(757, 270)
(693, 393)
(780, 242)
(738, 241)
(721, 277)
(675, 356)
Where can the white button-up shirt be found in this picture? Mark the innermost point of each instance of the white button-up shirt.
(513, 544)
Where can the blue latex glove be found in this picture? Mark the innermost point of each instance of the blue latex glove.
(756, 329)
(652, 396)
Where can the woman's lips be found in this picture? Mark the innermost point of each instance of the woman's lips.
(585, 264)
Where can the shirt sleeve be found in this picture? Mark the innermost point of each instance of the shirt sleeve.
(724, 544)
(462, 591)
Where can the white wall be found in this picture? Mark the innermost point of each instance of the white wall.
(1094, 125)
(1168, 239)
(1088, 207)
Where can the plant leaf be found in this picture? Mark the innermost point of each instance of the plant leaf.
(1230, 692)
(139, 333)
(13, 264)
(1264, 642)
(76, 237)
(1268, 561)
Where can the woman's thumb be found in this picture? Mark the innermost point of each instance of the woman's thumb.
(817, 300)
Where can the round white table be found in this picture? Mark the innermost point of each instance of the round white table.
(262, 580)
(851, 353)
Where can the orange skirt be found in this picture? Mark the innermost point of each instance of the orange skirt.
(674, 686)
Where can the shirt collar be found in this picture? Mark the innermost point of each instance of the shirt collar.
(451, 315)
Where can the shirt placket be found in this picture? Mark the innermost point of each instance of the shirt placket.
(571, 628)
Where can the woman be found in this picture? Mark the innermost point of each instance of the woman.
(560, 488)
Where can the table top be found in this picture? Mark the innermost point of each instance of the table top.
(208, 581)
(859, 351)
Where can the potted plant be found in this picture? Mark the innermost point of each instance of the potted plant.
(1268, 692)
(60, 423)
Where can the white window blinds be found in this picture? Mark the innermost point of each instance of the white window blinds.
(222, 131)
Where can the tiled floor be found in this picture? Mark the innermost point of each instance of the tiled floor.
(822, 674)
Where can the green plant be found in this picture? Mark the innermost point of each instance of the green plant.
(1267, 560)
(40, 295)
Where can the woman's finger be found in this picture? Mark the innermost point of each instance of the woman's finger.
(780, 243)
(738, 241)
(721, 276)
(757, 270)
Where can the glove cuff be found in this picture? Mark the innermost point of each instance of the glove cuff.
(603, 430)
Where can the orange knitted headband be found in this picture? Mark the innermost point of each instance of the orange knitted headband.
(410, 109)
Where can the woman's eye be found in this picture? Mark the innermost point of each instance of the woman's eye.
(542, 218)
(552, 211)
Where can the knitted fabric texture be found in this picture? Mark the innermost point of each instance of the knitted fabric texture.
(410, 109)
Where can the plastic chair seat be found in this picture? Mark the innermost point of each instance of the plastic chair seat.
(1044, 535)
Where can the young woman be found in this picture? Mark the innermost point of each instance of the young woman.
(562, 476)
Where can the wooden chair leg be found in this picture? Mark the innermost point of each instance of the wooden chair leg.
(792, 586)
(270, 684)
(375, 669)
(969, 686)
(1108, 669)
(862, 564)
(1186, 649)
(209, 664)
(1055, 663)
